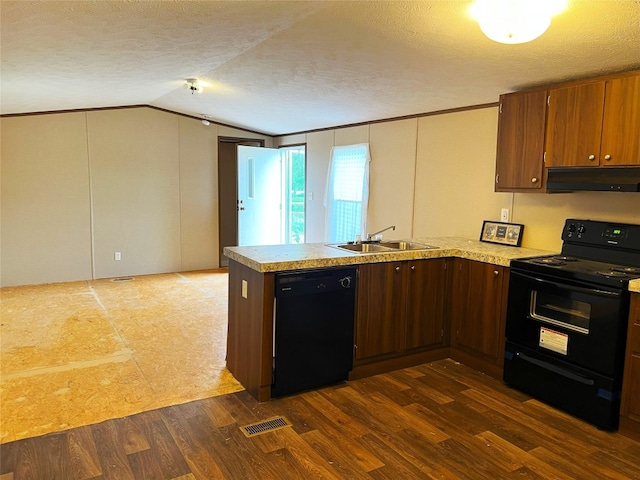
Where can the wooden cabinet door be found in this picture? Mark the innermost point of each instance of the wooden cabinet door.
(478, 299)
(381, 309)
(459, 296)
(425, 303)
(574, 125)
(621, 124)
(521, 128)
(630, 404)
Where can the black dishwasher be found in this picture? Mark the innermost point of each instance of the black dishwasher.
(313, 328)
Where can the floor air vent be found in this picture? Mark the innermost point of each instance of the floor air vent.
(122, 279)
(275, 423)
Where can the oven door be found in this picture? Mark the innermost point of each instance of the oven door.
(568, 320)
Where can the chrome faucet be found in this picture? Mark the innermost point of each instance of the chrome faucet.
(371, 235)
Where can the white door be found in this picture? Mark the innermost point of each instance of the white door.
(259, 196)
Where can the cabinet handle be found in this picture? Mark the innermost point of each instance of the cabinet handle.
(607, 157)
(497, 177)
(397, 269)
(413, 267)
(534, 180)
(592, 157)
(496, 273)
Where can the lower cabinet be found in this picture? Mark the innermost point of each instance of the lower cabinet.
(630, 404)
(414, 312)
(426, 292)
(400, 308)
(478, 309)
(380, 309)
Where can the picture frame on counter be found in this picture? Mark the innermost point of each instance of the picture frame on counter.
(502, 233)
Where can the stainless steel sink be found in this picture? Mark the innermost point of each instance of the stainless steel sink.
(405, 245)
(389, 246)
(363, 247)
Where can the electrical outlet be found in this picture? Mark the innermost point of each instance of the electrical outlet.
(504, 215)
(117, 256)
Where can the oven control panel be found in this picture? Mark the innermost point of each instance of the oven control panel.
(591, 232)
(615, 233)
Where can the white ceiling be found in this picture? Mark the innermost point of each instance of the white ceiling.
(288, 66)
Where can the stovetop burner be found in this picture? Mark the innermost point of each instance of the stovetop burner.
(555, 260)
(612, 274)
(565, 258)
(628, 270)
(548, 261)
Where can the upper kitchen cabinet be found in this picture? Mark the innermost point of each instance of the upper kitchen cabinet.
(574, 125)
(520, 151)
(621, 125)
(595, 123)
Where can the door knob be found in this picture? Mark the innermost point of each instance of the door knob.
(413, 267)
(397, 269)
(534, 180)
(496, 273)
(607, 157)
(592, 157)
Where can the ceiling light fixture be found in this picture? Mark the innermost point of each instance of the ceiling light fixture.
(206, 120)
(193, 85)
(515, 21)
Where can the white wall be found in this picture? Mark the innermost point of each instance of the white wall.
(77, 187)
(392, 173)
(434, 176)
(198, 194)
(318, 152)
(454, 174)
(45, 199)
(544, 215)
(135, 189)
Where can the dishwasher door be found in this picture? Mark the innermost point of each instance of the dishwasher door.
(313, 329)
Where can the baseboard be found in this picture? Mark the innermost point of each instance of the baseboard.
(396, 363)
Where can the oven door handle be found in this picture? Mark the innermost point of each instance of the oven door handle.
(574, 288)
(555, 369)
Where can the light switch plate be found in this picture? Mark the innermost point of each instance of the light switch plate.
(245, 286)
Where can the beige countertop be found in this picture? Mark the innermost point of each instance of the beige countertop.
(278, 258)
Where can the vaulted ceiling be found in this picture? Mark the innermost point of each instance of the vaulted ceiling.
(288, 66)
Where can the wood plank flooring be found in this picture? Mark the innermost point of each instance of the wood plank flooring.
(435, 421)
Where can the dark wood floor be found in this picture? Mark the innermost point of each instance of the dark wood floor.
(439, 421)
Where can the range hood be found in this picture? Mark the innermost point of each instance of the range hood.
(594, 179)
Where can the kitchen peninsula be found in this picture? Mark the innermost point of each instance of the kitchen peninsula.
(448, 272)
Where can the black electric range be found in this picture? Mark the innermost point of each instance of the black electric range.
(567, 318)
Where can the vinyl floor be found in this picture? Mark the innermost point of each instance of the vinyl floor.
(434, 421)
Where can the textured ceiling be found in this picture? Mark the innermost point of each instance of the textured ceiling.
(288, 66)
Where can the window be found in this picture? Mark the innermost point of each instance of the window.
(347, 193)
(293, 171)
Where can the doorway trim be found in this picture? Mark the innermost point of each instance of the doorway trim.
(228, 190)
